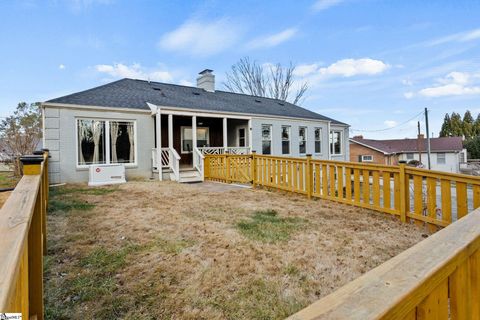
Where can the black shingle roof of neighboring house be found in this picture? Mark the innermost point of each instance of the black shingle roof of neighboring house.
(130, 93)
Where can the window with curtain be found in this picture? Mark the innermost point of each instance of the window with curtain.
(285, 139)
(318, 140)
(91, 142)
(95, 135)
(266, 139)
(336, 142)
(122, 142)
(302, 140)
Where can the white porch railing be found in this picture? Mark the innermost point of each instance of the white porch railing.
(198, 162)
(169, 159)
(223, 150)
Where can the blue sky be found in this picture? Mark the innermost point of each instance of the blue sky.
(372, 64)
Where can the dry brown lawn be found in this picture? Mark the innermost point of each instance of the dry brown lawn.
(151, 250)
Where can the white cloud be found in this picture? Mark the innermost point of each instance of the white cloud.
(464, 36)
(409, 95)
(354, 67)
(407, 82)
(78, 6)
(320, 5)
(202, 37)
(273, 39)
(454, 84)
(61, 66)
(305, 69)
(134, 71)
(390, 123)
(184, 82)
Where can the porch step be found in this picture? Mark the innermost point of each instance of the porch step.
(189, 176)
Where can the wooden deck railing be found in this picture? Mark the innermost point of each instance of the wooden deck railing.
(23, 240)
(434, 198)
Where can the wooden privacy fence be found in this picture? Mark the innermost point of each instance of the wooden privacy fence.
(423, 196)
(23, 240)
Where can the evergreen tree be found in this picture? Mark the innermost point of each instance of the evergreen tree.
(476, 126)
(456, 125)
(467, 125)
(446, 130)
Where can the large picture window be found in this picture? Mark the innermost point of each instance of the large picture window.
(266, 139)
(285, 139)
(203, 139)
(336, 142)
(302, 140)
(105, 142)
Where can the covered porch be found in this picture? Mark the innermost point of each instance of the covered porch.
(185, 137)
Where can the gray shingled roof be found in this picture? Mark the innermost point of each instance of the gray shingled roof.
(130, 93)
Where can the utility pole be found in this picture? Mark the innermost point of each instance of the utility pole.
(428, 138)
(419, 143)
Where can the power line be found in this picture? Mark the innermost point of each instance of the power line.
(390, 128)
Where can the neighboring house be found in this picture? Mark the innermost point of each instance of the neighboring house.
(124, 122)
(446, 153)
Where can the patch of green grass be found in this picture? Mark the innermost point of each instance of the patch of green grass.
(291, 270)
(107, 261)
(267, 226)
(66, 205)
(170, 246)
(8, 180)
(93, 191)
(258, 299)
(88, 286)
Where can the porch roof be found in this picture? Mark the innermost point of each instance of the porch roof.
(130, 93)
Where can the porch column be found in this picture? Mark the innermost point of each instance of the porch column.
(158, 127)
(194, 139)
(170, 130)
(225, 138)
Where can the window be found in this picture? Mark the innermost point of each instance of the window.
(105, 141)
(366, 158)
(203, 139)
(285, 139)
(336, 142)
(318, 140)
(409, 156)
(266, 139)
(441, 158)
(302, 140)
(241, 137)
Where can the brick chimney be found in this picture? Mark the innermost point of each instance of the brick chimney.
(206, 80)
(358, 137)
(421, 136)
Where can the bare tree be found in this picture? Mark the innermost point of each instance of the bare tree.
(274, 81)
(20, 133)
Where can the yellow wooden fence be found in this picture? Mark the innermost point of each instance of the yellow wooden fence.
(439, 278)
(23, 241)
(423, 196)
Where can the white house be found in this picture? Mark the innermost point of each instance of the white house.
(136, 122)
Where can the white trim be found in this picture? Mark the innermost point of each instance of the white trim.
(170, 130)
(107, 142)
(315, 141)
(250, 133)
(330, 140)
(271, 136)
(194, 139)
(366, 155)
(225, 132)
(99, 108)
(244, 138)
(158, 126)
(289, 139)
(306, 140)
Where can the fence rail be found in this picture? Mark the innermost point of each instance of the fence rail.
(434, 198)
(439, 278)
(23, 240)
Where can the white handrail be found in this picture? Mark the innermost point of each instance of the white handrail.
(198, 161)
(174, 160)
(223, 150)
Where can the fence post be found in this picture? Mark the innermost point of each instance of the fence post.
(227, 167)
(308, 176)
(44, 184)
(254, 167)
(32, 165)
(403, 193)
